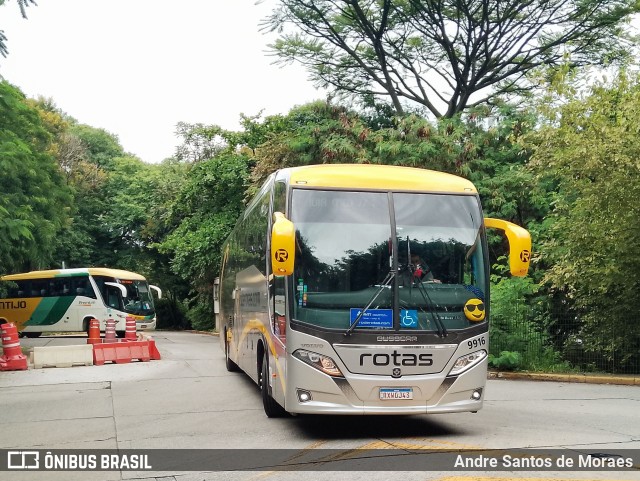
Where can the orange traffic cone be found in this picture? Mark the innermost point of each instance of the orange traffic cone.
(13, 359)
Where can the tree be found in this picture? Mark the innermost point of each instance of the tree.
(23, 4)
(102, 146)
(204, 212)
(444, 55)
(35, 201)
(590, 149)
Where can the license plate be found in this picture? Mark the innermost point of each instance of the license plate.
(143, 326)
(393, 393)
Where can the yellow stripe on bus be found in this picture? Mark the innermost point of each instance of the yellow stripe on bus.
(259, 326)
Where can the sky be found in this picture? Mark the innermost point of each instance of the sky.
(138, 67)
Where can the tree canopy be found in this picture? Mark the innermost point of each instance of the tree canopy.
(591, 149)
(23, 4)
(35, 203)
(445, 55)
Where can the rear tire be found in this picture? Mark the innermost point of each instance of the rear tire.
(271, 408)
(32, 334)
(231, 366)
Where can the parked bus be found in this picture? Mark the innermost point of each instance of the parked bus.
(361, 289)
(65, 300)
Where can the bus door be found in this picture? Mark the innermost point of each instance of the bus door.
(251, 314)
(279, 336)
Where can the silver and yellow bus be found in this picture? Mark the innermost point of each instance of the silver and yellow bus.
(361, 289)
(64, 300)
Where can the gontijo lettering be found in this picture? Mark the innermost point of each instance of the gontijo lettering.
(13, 304)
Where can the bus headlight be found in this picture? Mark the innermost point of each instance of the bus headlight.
(318, 361)
(467, 361)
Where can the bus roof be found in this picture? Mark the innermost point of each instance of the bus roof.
(82, 271)
(371, 176)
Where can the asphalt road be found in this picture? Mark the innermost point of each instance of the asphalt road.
(189, 401)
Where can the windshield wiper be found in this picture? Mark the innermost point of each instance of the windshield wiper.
(385, 283)
(442, 330)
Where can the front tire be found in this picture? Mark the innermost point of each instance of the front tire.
(271, 408)
(32, 334)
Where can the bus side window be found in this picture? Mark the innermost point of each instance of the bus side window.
(80, 286)
(280, 197)
(16, 289)
(39, 289)
(58, 287)
(88, 291)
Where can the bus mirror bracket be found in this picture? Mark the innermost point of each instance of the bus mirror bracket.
(157, 289)
(519, 245)
(123, 290)
(283, 242)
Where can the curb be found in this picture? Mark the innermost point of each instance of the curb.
(207, 333)
(630, 380)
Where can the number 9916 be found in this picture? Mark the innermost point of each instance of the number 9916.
(477, 342)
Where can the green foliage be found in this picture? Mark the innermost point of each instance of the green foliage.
(311, 134)
(203, 214)
(200, 313)
(591, 240)
(170, 314)
(102, 147)
(518, 327)
(35, 202)
(506, 361)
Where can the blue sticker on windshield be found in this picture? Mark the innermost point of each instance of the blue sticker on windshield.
(409, 318)
(375, 318)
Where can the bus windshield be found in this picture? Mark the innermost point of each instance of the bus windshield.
(349, 242)
(138, 301)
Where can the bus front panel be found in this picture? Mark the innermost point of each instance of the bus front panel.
(394, 287)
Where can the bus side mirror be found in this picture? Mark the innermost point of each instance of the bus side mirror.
(283, 245)
(157, 290)
(519, 245)
(121, 288)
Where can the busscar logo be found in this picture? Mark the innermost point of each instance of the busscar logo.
(397, 339)
(23, 460)
(397, 359)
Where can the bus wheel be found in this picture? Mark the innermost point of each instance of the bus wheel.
(231, 366)
(271, 408)
(32, 334)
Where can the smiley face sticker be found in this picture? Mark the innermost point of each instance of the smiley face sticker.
(474, 310)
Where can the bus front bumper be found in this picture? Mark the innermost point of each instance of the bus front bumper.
(432, 394)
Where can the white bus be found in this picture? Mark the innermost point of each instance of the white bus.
(64, 300)
(361, 289)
